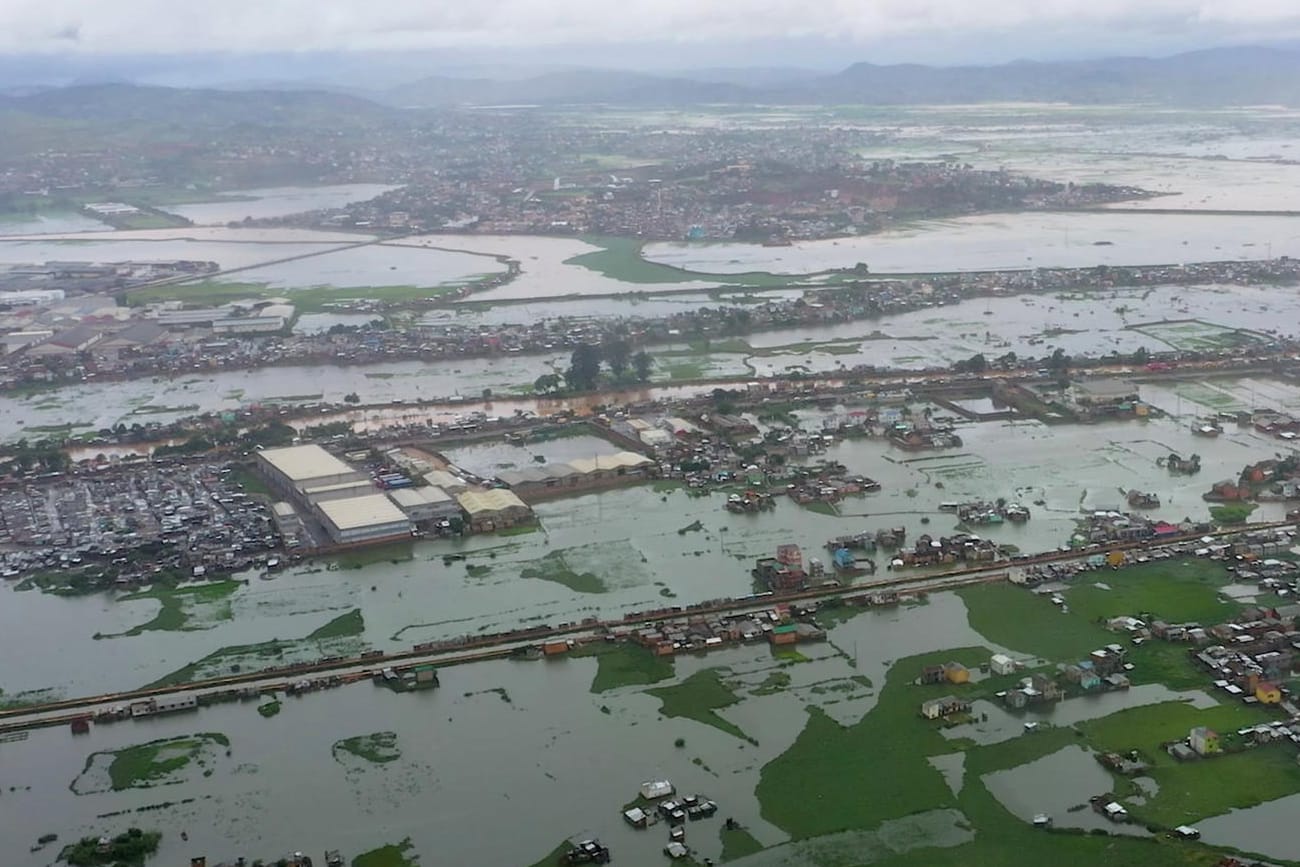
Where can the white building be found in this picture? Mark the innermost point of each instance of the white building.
(363, 519)
(294, 469)
(425, 504)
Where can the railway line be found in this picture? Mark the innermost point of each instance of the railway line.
(503, 645)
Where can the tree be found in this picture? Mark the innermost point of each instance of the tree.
(617, 353)
(547, 383)
(352, 397)
(641, 364)
(584, 367)
(1058, 361)
(1141, 356)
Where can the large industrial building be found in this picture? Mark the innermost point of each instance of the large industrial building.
(341, 498)
(425, 504)
(495, 509)
(371, 518)
(295, 469)
(548, 480)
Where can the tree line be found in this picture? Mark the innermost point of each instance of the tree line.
(590, 364)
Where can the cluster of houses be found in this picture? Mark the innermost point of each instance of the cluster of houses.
(982, 514)
(1275, 479)
(922, 435)
(779, 626)
(964, 547)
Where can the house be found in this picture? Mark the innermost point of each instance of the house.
(1267, 692)
(1204, 741)
(941, 708)
(1002, 664)
(1226, 491)
(955, 672)
(1047, 687)
(1084, 674)
(932, 674)
(654, 789)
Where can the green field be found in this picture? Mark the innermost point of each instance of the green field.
(392, 855)
(698, 697)
(181, 606)
(620, 259)
(555, 568)
(1195, 790)
(157, 762)
(623, 664)
(1177, 591)
(839, 778)
(340, 635)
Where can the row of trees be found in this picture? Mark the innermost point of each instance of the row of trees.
(585, 367)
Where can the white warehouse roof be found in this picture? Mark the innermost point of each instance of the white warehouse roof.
(416, 497)
(305, 462)
(368, 511)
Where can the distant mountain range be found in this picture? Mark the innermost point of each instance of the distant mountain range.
(123, 103)
(1217, 77)
(1204, 78)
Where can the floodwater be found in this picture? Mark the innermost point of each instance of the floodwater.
(1058, 785)
(373, 265)
(546, 272)
(42, 224)
(1255, 829)
(275, 202)
(1024, 240)
(587, 753)
(995, 723)
(630, 540)
(1121, 321)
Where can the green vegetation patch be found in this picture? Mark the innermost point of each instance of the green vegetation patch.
(131, 847)
(1177, 591)
(624, 664)
(378, 748)
(183, 607)
(737, 843)
(343, 626)
(621, 259)
(339, 636)
(392, 855)
(554, 857)
(1232, 513)
(156, 763)
(820, 784)
(553, 567)
(698, 697)
(269, 709)
(1190, 791)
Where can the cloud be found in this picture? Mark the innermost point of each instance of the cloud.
(186, 26)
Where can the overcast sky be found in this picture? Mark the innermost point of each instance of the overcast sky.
(883, 30)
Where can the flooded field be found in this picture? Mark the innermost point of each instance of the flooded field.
(1028, 240)
(51, 223)
(1097, 323)
(268, 202)
(372, 265)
